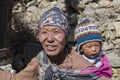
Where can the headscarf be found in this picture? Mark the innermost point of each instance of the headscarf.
(54, 17)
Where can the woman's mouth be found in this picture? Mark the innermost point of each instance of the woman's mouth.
(51, 47)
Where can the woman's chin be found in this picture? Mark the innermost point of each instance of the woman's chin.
(51, 53)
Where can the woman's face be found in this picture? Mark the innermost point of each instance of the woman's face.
(91, 49)
(53, 40)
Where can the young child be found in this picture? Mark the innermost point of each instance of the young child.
(89, 44)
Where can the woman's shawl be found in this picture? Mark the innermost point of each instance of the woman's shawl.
(52, 72)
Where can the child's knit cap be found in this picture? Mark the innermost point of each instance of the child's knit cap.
(85, 32)
(54, 17)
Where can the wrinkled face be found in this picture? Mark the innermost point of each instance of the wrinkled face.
(53, 40)
(91, 49)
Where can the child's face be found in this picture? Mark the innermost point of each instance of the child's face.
(91, 49)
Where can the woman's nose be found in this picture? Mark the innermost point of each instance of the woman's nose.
(50, 38)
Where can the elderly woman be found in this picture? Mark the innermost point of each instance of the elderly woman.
(57, 59)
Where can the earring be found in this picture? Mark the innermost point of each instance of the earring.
(81, 50)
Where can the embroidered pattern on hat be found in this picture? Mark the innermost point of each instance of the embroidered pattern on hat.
(89, 29)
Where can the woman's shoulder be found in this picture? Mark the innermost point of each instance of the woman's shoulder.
(79, 60)
(73, 51)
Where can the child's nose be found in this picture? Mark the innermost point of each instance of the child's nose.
(93, 48)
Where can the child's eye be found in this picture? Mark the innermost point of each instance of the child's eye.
(89, 46)
(97, 45)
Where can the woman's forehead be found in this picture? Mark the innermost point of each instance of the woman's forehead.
(50, 28)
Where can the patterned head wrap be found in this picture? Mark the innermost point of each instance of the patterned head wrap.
(54, 17)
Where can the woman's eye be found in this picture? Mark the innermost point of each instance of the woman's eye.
(56, 32)
(43, 32)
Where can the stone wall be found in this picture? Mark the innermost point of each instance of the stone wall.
(105, 13)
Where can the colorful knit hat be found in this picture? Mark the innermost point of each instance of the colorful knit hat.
(85, 32)
(54, 17)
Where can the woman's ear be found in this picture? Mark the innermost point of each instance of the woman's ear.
(66, 39)
(38, 36)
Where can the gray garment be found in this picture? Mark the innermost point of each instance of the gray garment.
(40, 58)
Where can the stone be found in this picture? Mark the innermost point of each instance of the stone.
(116, 3)
(107, 46)
(3, 52)
(115, 59)
(105, 3)
(117, 27)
